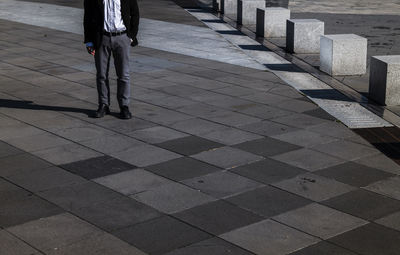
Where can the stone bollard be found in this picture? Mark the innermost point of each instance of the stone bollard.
(344, 54)
(303, 35)
(247, 10)
(230, 8)
(271, 21)
(384, 80)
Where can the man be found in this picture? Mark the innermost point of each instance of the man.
(111, 27)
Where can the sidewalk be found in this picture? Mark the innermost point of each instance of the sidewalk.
(218, 159)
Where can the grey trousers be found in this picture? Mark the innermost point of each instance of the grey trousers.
(119, 47)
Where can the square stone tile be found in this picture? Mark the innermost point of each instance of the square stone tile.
(268, 128)
(320, 221)
(124, 126)
(323, 248)
(218, 217)
(113, 143)
(227, 157)
(370, 239)
(354, 174)
(157, 134)
(307, 159)
(10, 192)
(268, 171)
(97, 167)
(38, 142)
(20, 211)
(267, 147)
(44, 179)
(133, 181)
(320, 113)
(299, 120)
(333, 129)
(388, 187)
(380, 162)
(213, 246)
(197, 126)
(11, 245)
(161, 235)
(222, 184)
(268, 201)
(269, 237)
(182, 168)
(314, 187)
(85, 132)
(364, 204)
(7, 150)
(391, 221)
(118, 213)
(21, 163)
(304, 138)
(171, 198)
(145, 155)
(230, 136)
(263, 111)
(189, 145)
(346, 150)
(53, 232)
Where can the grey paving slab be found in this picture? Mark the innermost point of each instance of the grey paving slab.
(189, 145)
(172, 198)
(83, 133)
(18, 130)
(222, 184)
(38, 142)
(101, 243)
(182, 168)
(369, 239)
(304, 138)
(299, 106)
(53, 232)
(320, 113)
(299, 120)
(197, 126)
(124, 126)
(133, 181)
(263, 111)
(161, 235)
(266, 98)
(381, 162)
(267, 147)
(314, 187)
(308, 159)
(157, 134)
(323, 248)
(227, 157)
(268, 201)
(390, 221)
(218, 217)
(13, 246)
(213, 246)
(118, 213)
(44, 179)
(354, 174)
(10, 192)
(269, 237)
(364, 204)
(230, 136)
(387, 187)
(145, 155)
(320, 221)
(97, 167)
(268, 128)
(8, 150)
(111, 144)
(333, 129)
(346, 150)
(21, 163)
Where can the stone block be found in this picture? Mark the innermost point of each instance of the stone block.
(271, 21)
(343, 54)
(303, 35)
(247, 11)
(384, 80)
(230, 7)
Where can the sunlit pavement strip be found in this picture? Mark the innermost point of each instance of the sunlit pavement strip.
(199, 42)
(352, 114)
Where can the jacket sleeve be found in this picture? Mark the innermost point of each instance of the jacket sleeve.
(134, 19)
(89, 25)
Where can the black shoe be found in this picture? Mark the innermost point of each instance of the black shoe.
(125, 113)
(103, 110)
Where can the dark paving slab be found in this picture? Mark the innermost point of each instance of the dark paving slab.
(323, 248)
(10, 192)
(267, 147)
(189, 145)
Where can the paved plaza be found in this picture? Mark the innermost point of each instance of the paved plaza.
(221, 157)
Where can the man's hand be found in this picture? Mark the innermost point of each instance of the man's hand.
(90, 48)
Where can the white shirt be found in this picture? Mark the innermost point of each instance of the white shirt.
(112, 16)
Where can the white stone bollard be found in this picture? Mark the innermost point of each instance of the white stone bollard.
(303, 35)
(344, 54)
(247, 11)
(230, 8)
(271, 21)
(384, 80)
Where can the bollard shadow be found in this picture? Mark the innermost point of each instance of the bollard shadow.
(285, 67)
(254, 47)
(327, 94)
(213, 21)
(29, 105)
(229, 32)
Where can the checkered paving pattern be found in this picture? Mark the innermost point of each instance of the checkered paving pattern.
(218, 159)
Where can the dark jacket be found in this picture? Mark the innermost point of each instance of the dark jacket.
(93, 21)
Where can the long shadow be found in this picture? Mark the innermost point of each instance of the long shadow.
(29, 105)
(284, 67)
(329, 94)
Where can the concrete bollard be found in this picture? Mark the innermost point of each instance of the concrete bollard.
(271, 21)
(247, 10)
(344, 54)
(303, 35)
(230, 8)
(384, 80)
